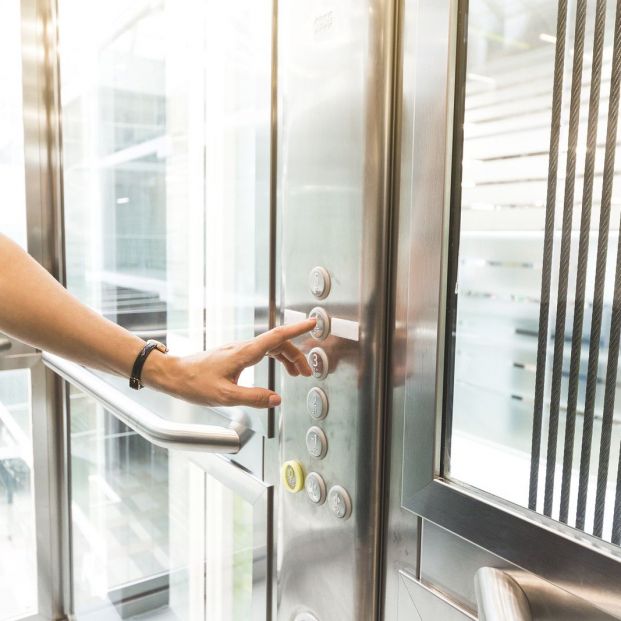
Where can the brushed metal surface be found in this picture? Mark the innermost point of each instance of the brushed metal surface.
(416, 602)
(425, 31)
(334, 141)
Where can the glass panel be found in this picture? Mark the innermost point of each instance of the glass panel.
(18, 561)
(13, 211)
(155, 535)
(529, 384)
(166, 163)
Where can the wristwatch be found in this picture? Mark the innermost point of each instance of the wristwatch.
(135, 380)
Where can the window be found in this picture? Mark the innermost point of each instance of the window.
(534, 417)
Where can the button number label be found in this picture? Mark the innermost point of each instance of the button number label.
(317, 403)
(318, 362)
(316, 442)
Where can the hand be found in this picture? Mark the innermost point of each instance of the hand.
(210, 378)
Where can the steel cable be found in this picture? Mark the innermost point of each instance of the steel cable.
(583, 255)
(544, 308)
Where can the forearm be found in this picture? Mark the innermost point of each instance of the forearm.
(36, 309)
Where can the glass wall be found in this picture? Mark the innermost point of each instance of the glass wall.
(18, 550)
(534, 416)
(18, 562)
(166, 112)
(157, 534)
(12, 182)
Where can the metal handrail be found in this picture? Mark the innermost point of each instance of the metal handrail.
(157, 430)
(500, 597)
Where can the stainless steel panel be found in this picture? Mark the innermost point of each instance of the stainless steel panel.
(449, 564)
(417, 603)
(335, 84)
(43, 162)
(426, 28)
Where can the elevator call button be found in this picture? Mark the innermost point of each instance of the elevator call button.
(315, 488)
(322, 327)
(317, 403)
(319, 282)
(316, 442)
(339, 502)
(318, 361)
(293, 476)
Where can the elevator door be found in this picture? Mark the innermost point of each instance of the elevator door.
(505, 472)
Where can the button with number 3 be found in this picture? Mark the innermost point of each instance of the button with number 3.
(318, 361)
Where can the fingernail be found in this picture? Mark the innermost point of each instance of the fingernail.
(274, 400)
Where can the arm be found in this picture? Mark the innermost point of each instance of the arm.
(36, 309)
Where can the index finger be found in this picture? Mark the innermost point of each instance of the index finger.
(277, 336)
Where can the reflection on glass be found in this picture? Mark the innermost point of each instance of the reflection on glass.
(120, 515)
(13, 211)
(507, 127)
(18, 562)
(166, 164)
(155, 535)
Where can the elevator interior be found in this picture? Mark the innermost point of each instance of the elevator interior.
(435, 181)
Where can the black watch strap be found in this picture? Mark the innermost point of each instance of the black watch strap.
(135, 380)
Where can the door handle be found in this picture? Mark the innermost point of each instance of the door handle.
(169, 434)
(500, 597)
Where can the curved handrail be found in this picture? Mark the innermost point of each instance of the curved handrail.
(157, 430)
(500, 597)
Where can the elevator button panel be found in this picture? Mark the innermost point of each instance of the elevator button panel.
(315, 488)
(319, 282)
(317, 403)
(316, 442)
(293, 476)
(318, 361)
(322, 327)
(340, 502)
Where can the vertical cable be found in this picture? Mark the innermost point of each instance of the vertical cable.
(609, 399)
(583, 255)
(616, 518)
(568, 208)
(544, 308)
(600, 274)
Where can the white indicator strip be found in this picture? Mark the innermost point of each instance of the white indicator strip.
(345, 329)
(292, 316)
(342, 328)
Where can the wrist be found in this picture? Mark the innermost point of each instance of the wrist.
(159, 371)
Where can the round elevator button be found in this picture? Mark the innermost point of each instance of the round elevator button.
(316, 442)
(318, 361)
(322, 327)
(317, 403)
(340, 502)
(292, 476)
(315, 488)
(319, 282)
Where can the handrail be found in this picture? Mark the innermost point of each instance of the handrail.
(157, 430)
(499, 596)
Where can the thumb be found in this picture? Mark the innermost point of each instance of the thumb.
(255, 397)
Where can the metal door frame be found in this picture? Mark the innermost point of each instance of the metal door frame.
(42, 166)
(577, 562)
